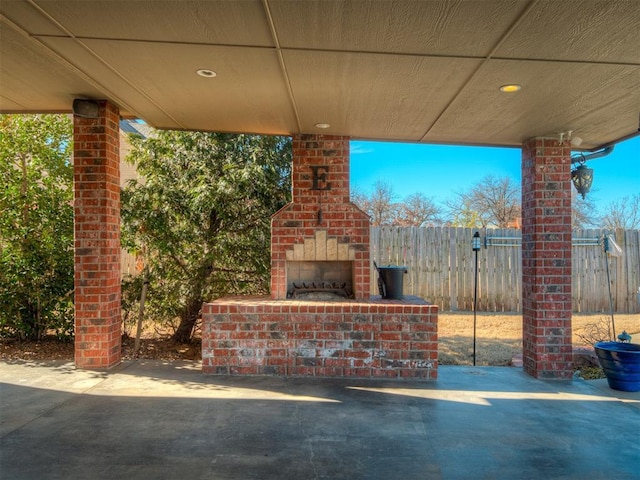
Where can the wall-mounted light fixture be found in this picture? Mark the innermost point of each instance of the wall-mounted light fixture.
(582, 177)
(86, 108)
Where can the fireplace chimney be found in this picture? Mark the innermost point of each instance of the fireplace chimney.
(320, 238)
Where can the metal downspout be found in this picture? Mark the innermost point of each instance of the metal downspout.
(581, 157)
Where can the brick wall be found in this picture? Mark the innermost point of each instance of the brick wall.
(377, 338)
(546, 258)
(97, 239)
(320, 208)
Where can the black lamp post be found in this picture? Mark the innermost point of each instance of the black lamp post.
(475, 245)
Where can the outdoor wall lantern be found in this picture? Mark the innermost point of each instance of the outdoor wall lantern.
(86, 108)
(582, 177)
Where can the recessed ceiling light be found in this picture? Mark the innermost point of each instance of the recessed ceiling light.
(510, 88)
(203, 72)
(322, 125)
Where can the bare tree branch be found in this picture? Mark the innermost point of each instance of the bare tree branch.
(490, 202)
(623, 213)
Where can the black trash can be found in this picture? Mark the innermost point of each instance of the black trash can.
(392, 279)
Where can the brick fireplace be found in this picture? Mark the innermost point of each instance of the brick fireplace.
(320, 233)
(320, 318)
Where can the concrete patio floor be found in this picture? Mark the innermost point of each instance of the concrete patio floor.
(157, 420)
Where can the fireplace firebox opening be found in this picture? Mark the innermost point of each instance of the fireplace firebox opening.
(305, 277)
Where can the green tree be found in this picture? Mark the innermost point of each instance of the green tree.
(36, 225)
(202, 216)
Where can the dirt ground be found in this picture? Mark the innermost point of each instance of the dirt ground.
(498, 340)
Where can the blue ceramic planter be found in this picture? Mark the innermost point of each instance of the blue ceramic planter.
(621, 364)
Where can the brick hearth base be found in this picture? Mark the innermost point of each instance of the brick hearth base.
(345, 338)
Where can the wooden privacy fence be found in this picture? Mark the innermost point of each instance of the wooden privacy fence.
(440, 264)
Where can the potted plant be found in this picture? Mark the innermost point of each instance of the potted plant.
(620, 359)
(621, 363)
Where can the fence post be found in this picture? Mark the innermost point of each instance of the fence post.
(453, 265)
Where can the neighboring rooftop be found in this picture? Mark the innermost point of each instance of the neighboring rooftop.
(135, 127)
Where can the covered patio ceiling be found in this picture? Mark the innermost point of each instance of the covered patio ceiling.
(416, 71)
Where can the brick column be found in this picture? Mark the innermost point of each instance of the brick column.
(96, 168)
(546, 258)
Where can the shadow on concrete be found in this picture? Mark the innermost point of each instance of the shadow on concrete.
(151, 419)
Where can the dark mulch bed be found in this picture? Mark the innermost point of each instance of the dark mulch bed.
(50, 348)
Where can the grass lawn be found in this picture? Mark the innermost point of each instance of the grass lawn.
(499, 335)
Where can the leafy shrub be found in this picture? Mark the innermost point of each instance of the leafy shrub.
(36, 226)
(202, 217)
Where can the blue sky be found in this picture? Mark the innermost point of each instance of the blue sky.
(438, 171)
